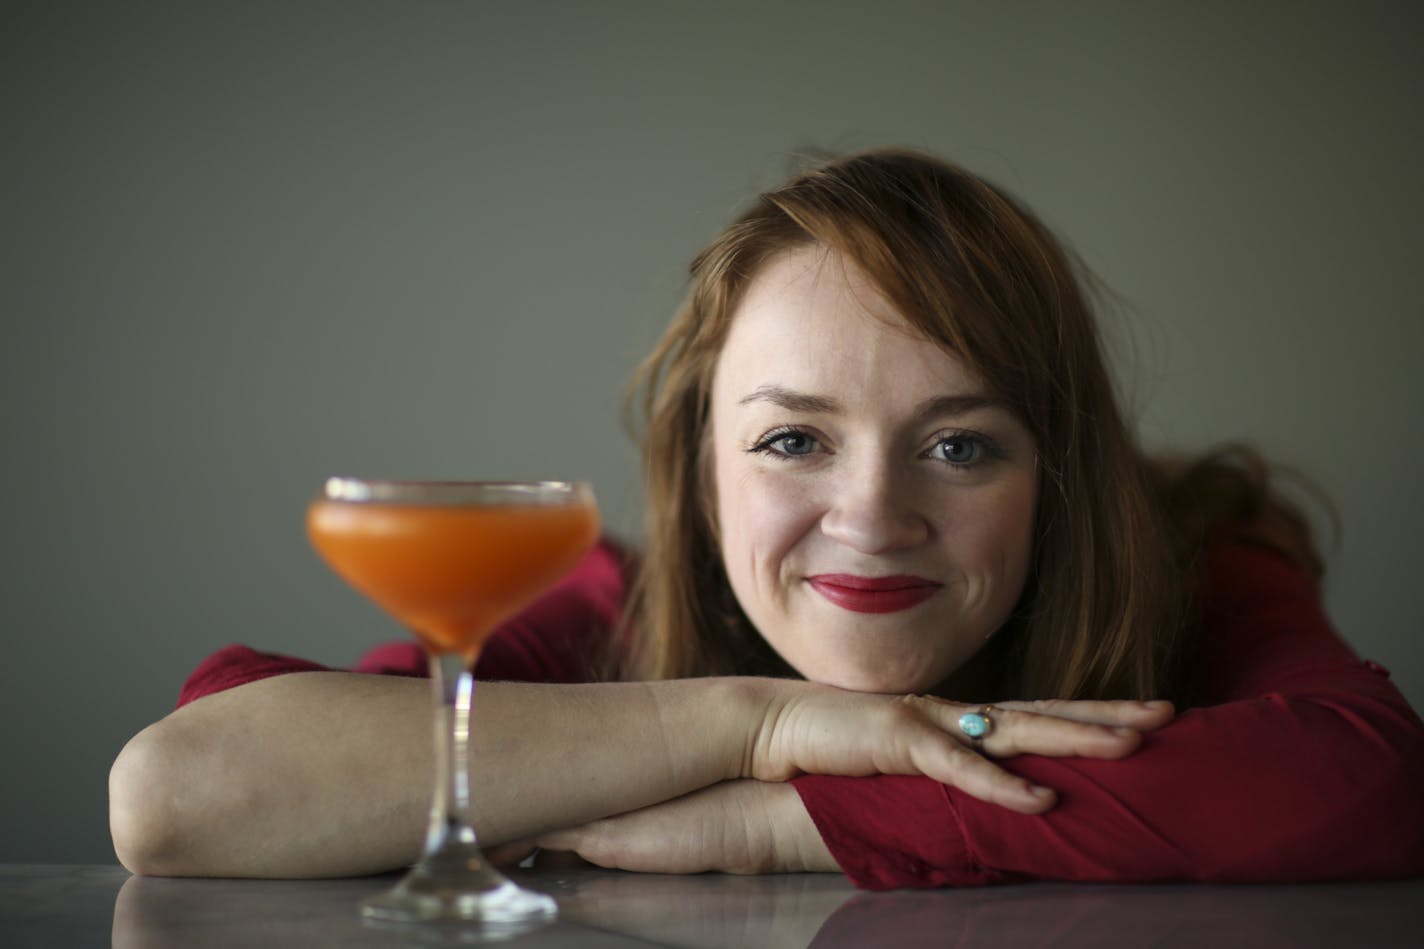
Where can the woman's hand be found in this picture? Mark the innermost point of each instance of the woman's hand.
(734, 827)
(809, 728)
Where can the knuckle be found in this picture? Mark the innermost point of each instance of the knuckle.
(1008, 721)
(915, 704)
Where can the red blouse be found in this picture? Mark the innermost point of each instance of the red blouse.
(1305, 764)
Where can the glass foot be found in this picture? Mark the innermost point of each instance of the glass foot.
(487, 898)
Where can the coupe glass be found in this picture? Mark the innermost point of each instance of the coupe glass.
(451, 560)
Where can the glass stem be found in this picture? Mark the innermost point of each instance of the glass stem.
(451, 836)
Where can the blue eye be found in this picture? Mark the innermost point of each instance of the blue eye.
(787, 444)
(798, 443)
(960, 450)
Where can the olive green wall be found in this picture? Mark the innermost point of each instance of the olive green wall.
(247, 245)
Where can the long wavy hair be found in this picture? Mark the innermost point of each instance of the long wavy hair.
(976, 273)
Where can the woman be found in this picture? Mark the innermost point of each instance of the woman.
(887, 484)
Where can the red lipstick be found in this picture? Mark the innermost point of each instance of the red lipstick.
(873, 594)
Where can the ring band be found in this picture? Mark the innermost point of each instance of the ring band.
(976, 726)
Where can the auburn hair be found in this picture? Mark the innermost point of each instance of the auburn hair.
(976, 273)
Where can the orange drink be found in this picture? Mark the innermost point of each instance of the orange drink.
(452, 560)
(451, 573)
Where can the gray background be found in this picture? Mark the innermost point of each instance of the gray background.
(247, 245)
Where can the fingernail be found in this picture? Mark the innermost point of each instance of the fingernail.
(1124, 730)
(1041, 792)
(1155, 704)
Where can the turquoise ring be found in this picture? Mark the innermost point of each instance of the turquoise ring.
(977, 725)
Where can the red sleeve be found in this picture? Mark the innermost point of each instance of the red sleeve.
(557, 639)
(1310, 766)
(238, 665)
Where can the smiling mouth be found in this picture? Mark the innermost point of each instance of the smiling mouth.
(873, 594)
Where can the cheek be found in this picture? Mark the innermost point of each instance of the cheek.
(1017, 518)
(762, 515)
(995, 537)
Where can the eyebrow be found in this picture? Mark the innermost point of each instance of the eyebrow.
(794, 401)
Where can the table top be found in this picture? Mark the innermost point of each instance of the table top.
(78, 906)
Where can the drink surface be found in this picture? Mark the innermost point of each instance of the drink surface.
(451, 573)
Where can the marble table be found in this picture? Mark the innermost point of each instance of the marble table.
(80, 906)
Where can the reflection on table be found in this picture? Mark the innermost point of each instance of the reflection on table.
(84, 906)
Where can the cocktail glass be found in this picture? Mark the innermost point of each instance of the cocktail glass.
(451, 560)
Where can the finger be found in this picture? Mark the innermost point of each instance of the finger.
(957, 766)
(560, 860)
(586, 844)
(1029, 733)
(1016, 731)
(569, 839)
(1143, 716)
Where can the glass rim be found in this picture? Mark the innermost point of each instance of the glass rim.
(350, 490)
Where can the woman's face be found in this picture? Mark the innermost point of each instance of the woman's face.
(875, 505)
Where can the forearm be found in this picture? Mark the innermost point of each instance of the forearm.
(328, 773)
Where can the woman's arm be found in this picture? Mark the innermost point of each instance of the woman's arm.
(329, 773)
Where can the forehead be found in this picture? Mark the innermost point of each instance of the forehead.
(811, 320)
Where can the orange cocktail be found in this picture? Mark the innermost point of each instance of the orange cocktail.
(451, 560)
(451, 573)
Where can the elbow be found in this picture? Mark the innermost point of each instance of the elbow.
(147, 813)
(1394, 809)
(1378, 824)
(1367, 823)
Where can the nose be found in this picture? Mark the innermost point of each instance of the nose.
(874, 511)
